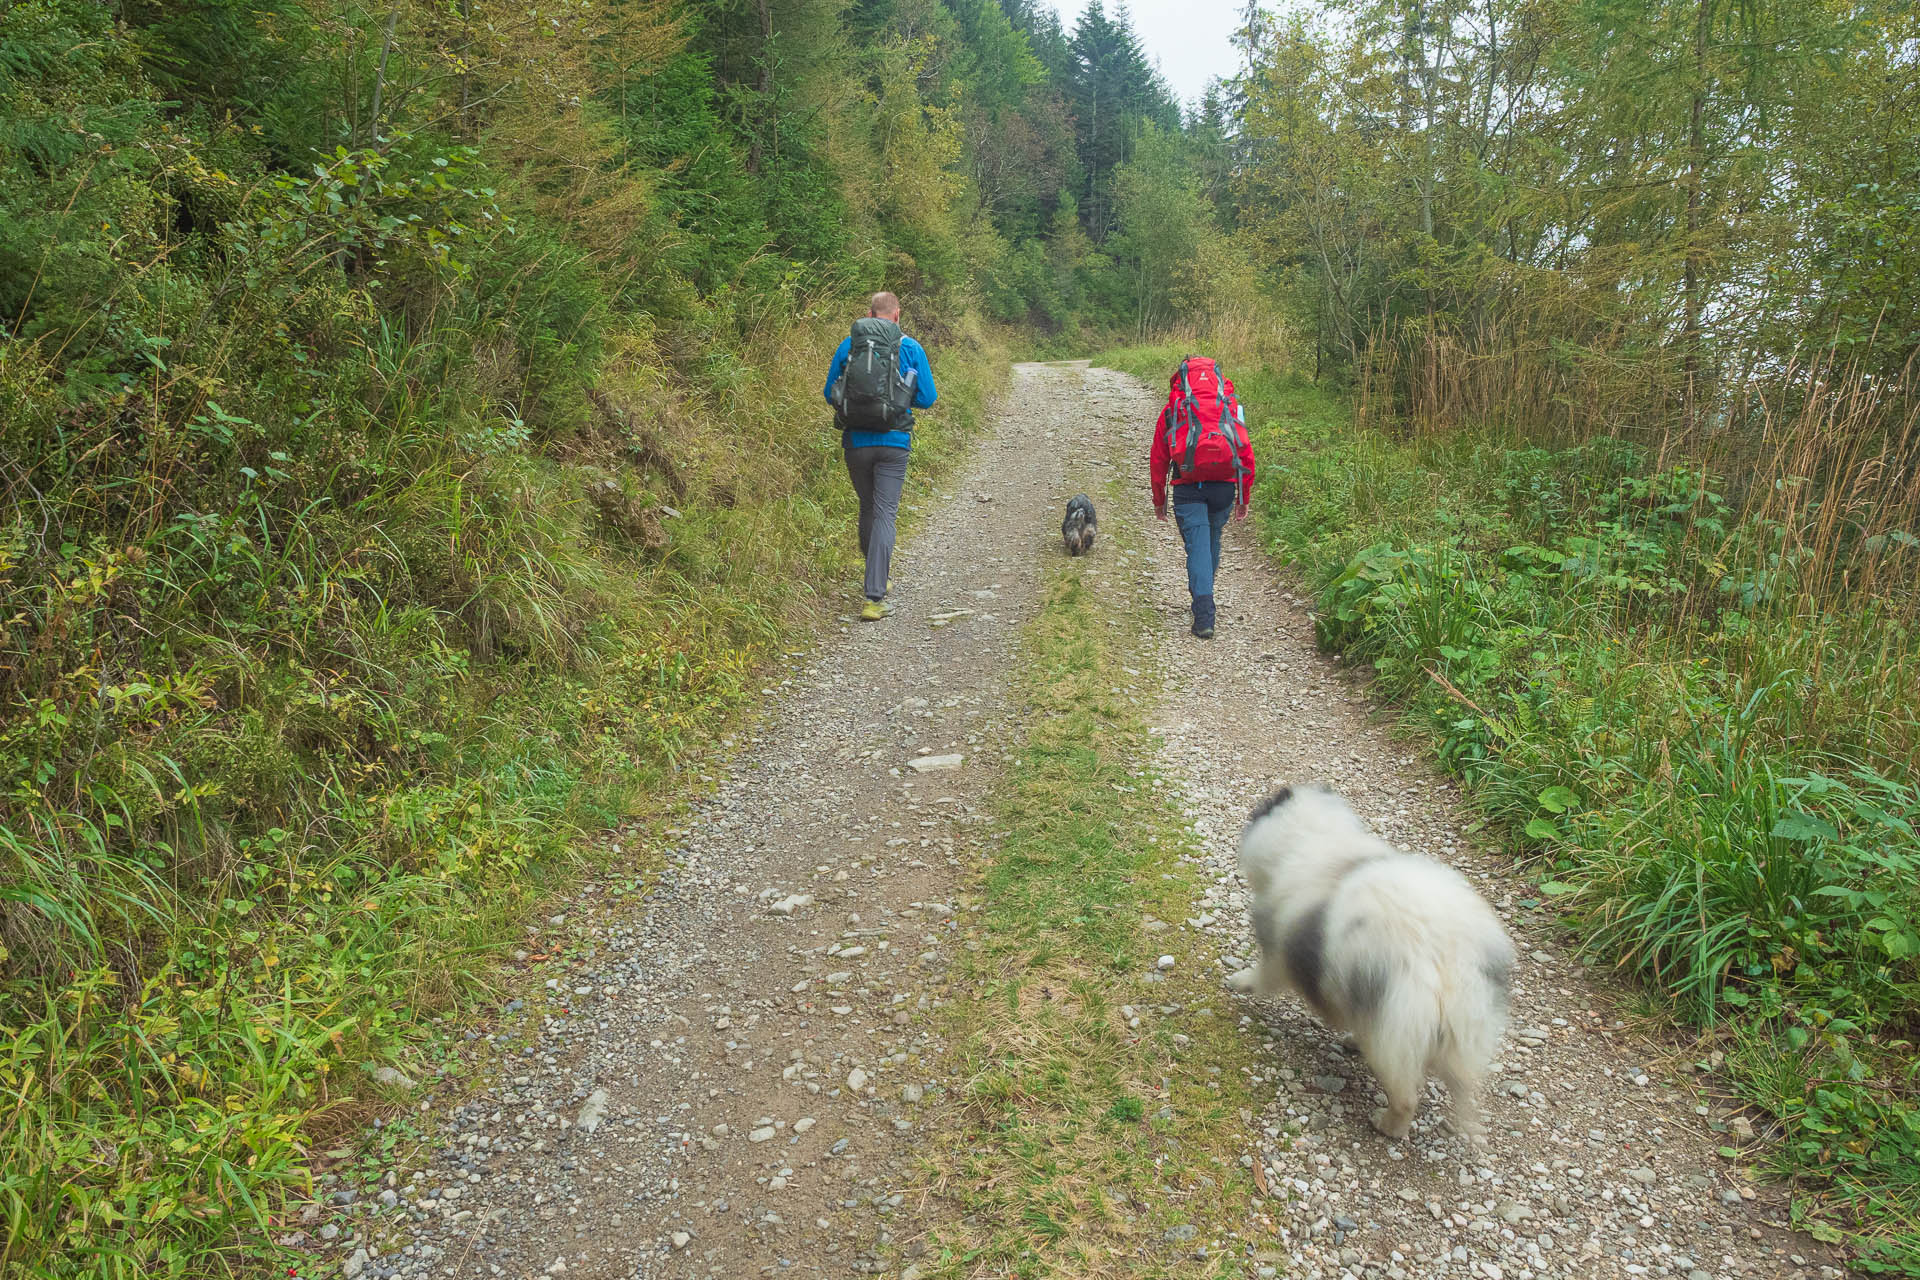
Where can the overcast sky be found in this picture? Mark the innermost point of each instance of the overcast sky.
(1191, 39)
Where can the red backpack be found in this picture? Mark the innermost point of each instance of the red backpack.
(1206, 429)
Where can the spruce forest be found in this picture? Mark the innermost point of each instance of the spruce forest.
(413, 466)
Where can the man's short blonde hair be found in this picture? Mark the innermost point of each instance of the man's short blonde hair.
(883, 305)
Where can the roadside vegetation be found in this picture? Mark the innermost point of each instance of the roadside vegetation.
(397, 487)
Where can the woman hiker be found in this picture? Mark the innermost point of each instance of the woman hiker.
(1201, 444)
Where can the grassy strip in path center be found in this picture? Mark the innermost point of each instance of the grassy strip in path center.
(1103, 1107)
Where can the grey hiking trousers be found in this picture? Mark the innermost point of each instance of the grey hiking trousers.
(878, 474)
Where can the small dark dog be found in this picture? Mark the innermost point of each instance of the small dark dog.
(1078, 528)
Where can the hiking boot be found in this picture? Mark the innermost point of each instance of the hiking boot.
(1203, 617)
(875, 610)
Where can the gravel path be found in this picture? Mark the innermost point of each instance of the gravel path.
(721, 1072)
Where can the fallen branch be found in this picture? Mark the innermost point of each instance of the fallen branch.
(1458, 696)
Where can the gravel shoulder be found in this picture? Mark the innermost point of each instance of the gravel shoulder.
(727, 1069)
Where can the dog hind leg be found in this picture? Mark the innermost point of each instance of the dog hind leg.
(1401, 1079)
(1468, 1044)
(1261, 978)
(1397, 1043)
(1464, 1084)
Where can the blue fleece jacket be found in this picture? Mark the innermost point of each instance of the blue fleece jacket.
(913, 359)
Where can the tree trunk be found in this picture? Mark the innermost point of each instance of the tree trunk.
(1319, 334)
(756, 150)
(380, 78)
(1426, 124)
(1695, 281)
(466, 67)
(1095, 219)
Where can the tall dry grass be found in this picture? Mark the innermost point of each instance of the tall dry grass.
(1822, 456)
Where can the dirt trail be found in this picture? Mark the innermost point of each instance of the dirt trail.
(725, 1076)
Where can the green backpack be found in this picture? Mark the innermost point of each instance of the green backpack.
(871, 395)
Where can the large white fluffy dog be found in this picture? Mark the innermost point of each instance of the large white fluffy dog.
(1396, 949)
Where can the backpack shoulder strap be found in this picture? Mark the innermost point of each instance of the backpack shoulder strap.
(1193, 415)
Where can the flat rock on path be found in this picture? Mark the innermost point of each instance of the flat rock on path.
(726, 1078)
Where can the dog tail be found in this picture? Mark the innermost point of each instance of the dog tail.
(1495, 981)
(1472, 1023)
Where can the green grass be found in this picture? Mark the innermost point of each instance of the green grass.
(1705, 751)
(1078, 1142)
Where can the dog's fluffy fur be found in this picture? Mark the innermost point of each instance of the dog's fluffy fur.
(1394, 948)
(1078, 528)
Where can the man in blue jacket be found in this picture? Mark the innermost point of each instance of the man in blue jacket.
(878, 377)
